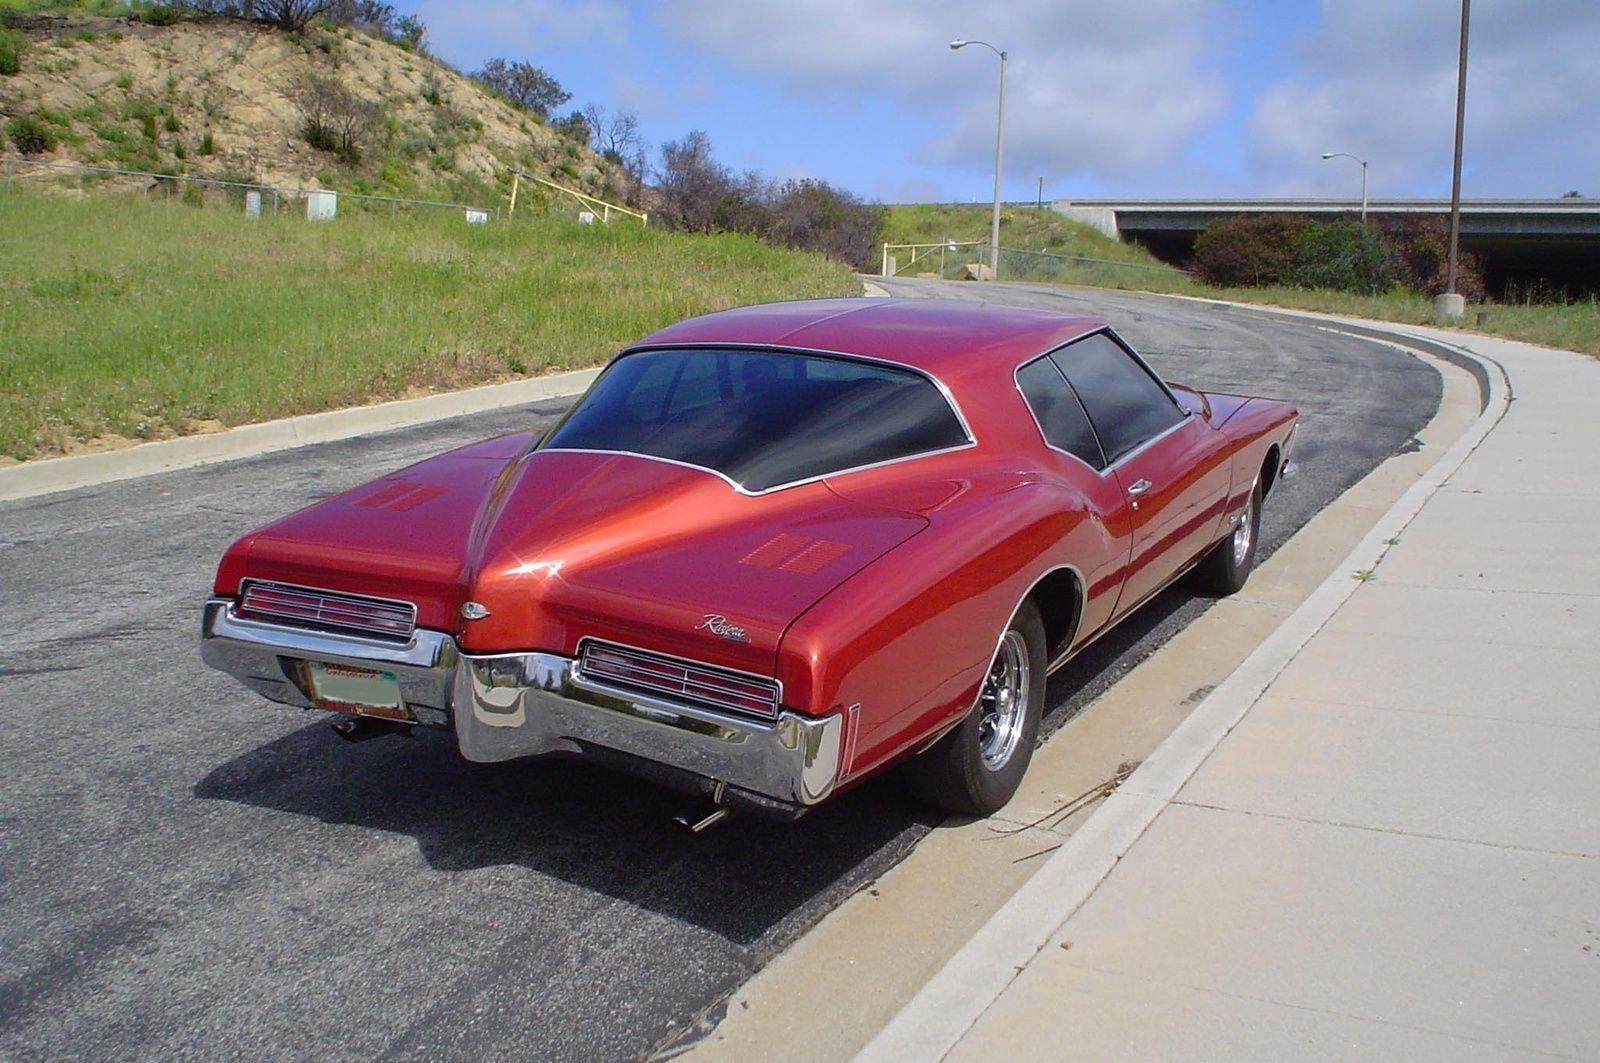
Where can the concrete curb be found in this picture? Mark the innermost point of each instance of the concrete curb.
(933, 1021)
(85, 470)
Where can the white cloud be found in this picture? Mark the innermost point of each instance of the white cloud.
(1092, 88)
(471, 33)
(1378, 79)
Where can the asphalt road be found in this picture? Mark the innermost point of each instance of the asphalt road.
(188, 871)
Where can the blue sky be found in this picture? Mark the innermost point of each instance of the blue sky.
(1142, 97)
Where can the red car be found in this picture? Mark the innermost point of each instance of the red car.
(770, 553)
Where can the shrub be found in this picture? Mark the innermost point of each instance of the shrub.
(1346, 256)
(523, 85)
(208, 145)
(332, 118)
(1248, 251)
(1422, 246)
(290, 14)
(812, 215)
(12, 47)
(124, 82)
(161, 15)
(691, 183)
(171, 124)
(31, 136)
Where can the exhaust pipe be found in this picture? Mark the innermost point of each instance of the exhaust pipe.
(363, 728)
(711, 814)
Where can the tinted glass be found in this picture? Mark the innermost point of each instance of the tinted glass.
(1056, 408)
(1125, 403)
(760, 419)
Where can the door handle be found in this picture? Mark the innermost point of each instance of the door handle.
(1139, 487)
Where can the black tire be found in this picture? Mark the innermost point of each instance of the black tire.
(976, 768)
(1224, 570)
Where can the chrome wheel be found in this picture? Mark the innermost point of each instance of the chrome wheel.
(1245, 533)
(1003, 704)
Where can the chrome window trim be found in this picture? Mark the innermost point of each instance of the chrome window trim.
(745, 491)
(1032, 413)
(771, 348)
(1139, 359)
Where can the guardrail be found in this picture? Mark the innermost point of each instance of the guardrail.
(594, 205)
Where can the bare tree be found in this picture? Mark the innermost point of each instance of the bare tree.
(332, 118)
(615, 136)
(617, 139)
(691, 183)
(290, 14)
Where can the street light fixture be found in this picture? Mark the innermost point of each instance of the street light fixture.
(1346, 155)
(999, 146)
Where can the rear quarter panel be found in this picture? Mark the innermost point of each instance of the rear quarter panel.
(1254, 428)
(909, 638)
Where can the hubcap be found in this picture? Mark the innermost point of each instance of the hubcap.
(1003, 705)
(1245, 532)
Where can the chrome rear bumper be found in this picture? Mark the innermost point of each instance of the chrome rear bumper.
(525, 704)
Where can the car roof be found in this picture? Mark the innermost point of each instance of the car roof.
(938, 336)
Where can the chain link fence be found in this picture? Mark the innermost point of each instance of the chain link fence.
(251, 198)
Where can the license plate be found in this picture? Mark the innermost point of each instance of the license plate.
(364, 691)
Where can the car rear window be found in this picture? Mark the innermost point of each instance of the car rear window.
(762, 419)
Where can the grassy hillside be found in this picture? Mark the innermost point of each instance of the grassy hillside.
(1117, 265)
(220, 97)
(128, 318)
(1573, 327)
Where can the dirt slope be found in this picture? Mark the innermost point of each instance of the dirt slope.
(216, 98)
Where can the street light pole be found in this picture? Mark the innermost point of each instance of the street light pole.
(1346, 155)
(1455, 178)
(999, 152)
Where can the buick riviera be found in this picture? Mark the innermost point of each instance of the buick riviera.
(771, 553)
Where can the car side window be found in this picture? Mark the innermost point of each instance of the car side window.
(1125, 403)
(1060, 415)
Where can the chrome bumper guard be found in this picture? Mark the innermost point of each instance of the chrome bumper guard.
(525, 704)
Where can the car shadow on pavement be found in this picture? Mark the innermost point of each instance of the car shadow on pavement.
(753, 882)
(601, 832)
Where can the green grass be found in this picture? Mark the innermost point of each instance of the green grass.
(141, 318)
(71, 7)
(1056, 240)
(1573, 326)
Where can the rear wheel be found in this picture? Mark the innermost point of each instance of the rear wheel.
(1225, 569)
(977, 767)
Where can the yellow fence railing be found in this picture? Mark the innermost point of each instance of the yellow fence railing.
(593, 204)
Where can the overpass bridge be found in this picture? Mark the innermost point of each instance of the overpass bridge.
(1518, 241)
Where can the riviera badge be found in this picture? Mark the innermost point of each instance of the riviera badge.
(718, 625)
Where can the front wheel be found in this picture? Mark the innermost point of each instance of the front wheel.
(977, 768)
(1224, 570)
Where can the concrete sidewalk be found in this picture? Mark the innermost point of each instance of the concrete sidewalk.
(1380, 838)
